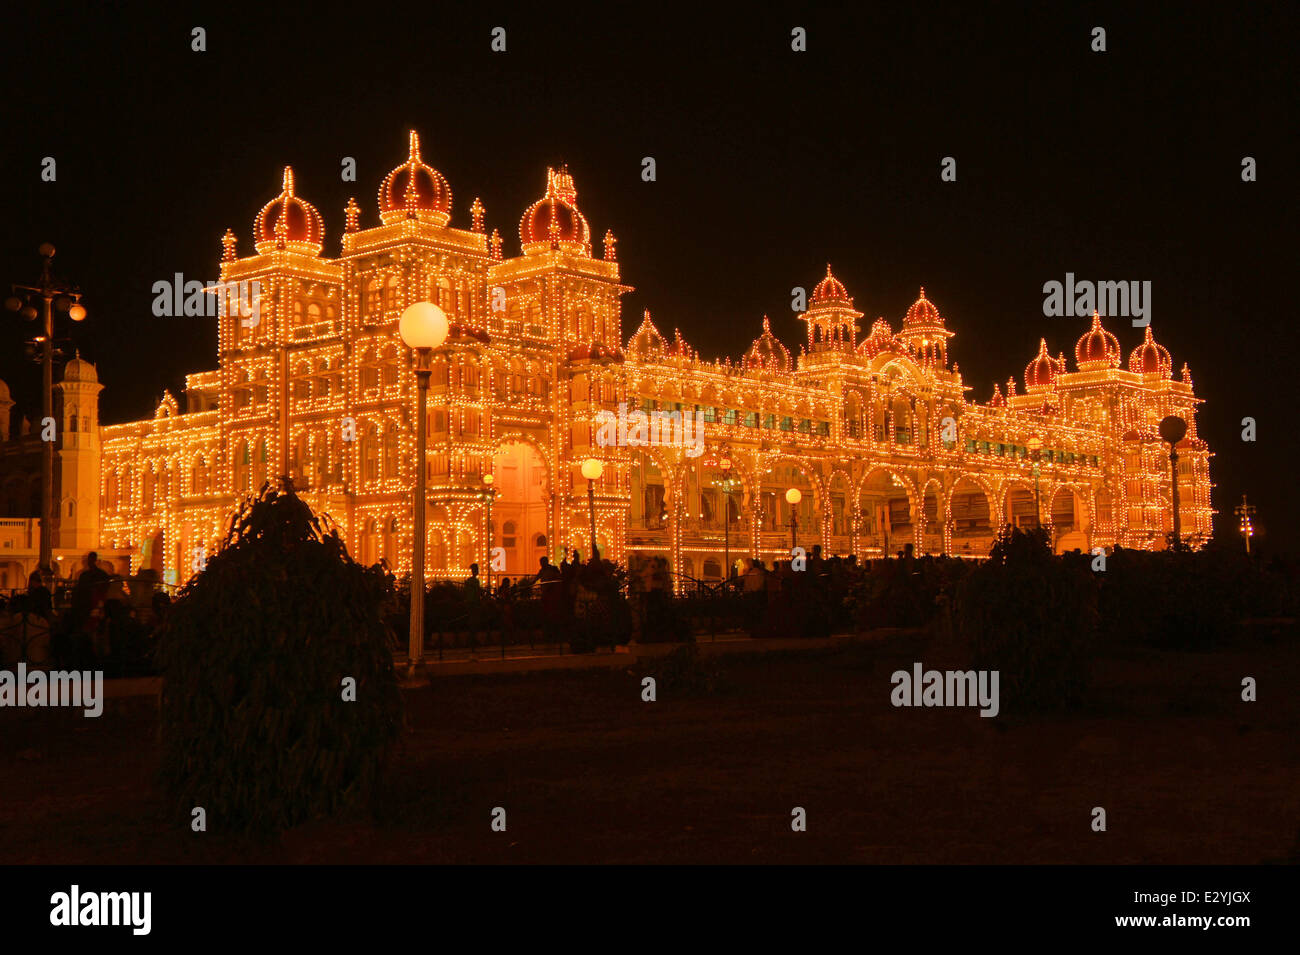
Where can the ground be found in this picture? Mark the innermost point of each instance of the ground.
(587, 772)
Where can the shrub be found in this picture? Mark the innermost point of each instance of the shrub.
(254, 725)
(1032, 617)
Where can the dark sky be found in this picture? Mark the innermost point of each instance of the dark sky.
(1122, 165)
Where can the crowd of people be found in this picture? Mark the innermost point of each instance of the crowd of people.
(96, 621)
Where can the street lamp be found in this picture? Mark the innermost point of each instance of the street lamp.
(592, 469)
(793, 497)
(1244, 511)
(50, 294)
(1035, 444)
(1172, 429)
(725, 464)
(489, 494)
(423, 327)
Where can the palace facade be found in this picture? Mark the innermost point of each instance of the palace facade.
(876, 430)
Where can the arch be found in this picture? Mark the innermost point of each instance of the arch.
(885, 511)
(522, 485)
(972, 516)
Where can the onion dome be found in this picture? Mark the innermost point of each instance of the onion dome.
(78, 369)
(414, 191)
(880, 340)
(767, 353)
(1097, 348)
(287, 222)
(831, 290)
(647, 343)
(1150, 358)
(922, 313)
(1041, 373)
(553, 221)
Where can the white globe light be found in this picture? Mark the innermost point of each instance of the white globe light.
(592, 469)
(794, 495)
(423, 325)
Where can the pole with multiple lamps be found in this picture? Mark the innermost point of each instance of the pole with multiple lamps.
(1244, 511)
(423, 327)
(592, 469)
(31, 301)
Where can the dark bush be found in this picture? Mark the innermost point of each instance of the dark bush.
(254, 653)
(1032, 617)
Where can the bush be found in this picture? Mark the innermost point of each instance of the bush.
(1032, 617)
(253, 654)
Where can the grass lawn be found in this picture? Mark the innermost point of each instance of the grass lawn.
(587, 772)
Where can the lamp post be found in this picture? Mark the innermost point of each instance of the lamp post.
(792, 497)
(67, 298)
(1244, 510)
(592, 469)
(423, 327)
(1172, 429)
(725, 464)
(1035, 445)
(489, 494)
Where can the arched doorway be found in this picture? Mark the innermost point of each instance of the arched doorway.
(972, 520)
(519, 510)
(884, 515)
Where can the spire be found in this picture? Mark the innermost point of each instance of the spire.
(414, 155)
(228, 242)
(288, 180)
(352, 213)
(611, 246)
(495, 243)
(476, 215)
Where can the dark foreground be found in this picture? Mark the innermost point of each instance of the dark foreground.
(1187, 772)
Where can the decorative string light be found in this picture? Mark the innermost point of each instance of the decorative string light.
(539, 371)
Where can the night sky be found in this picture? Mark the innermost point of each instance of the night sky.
(1123, 165)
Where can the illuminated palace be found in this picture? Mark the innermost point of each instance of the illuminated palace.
(874, 427)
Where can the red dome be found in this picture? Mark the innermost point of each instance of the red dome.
(767, 353)
(289, 222)
(881, 339)
(1042, 371)
(414, 190)
(1097, 348)
(1150, 358)
(922, 312)
(830, 289)
(555, 220)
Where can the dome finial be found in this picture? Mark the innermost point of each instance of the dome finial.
(414, 155)
(288, 180)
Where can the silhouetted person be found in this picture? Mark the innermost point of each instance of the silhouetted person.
(39, 600)
(551, 586)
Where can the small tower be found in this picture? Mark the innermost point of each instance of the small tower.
(76, 464)
(832, 321)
